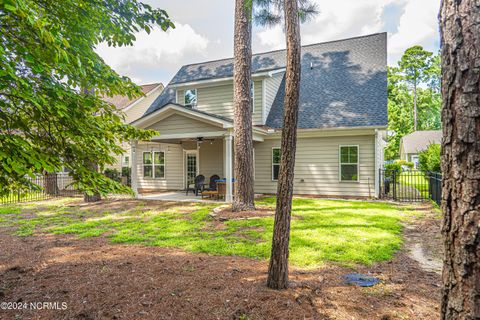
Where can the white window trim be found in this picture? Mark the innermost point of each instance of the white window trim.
(196, 93)
(271, 159)
(153, 165)
(123, 160)
(254, 164)
(253, 97)
(185, 153)
(340, 163)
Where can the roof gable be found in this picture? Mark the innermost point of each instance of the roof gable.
(174, 108)
(418, 141)
(343, 83)
(121, 101)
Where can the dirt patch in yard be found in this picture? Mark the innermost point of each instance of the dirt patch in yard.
(423, 239)
(225, 213)
(114, 205)
(98, 280)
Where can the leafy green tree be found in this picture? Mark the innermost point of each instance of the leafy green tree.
(51, 83)
(434, 73)
(429, 160)
(427, 98)
(400, 120)
(415, 64)
(429, 109)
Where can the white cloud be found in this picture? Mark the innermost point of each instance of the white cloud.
(157, 49)
(272, 38)
(417, 24)
(205, 32)
(337, 19)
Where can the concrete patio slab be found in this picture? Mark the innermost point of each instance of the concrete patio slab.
(179, 196)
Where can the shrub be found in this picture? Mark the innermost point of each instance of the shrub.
(390, 168)
(405, 163)
(126, 172)
(429, 160)
(113, 174)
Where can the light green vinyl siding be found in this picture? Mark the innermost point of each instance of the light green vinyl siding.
(271, 88)
(317, 164)
(211, 158)
(176, 124)
(218, 99)
(173, 167)
(137, 111)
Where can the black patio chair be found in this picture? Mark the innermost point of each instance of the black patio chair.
(197, 185)
(212, 186)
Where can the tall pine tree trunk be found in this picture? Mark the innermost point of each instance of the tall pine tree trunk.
(415, 116)
(460, 31)
(278, 268)
(242, 115)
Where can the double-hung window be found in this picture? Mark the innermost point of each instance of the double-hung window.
(154, 164)
(190, 98)
(349, 163)
(125, 161)
(276, 156)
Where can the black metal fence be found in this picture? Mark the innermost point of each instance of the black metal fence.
(43, 187)
(410, 186)
(435, 186)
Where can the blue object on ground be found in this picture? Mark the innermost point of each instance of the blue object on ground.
(361, 279)
(225, 180)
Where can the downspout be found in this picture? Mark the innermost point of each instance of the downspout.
(377, 164)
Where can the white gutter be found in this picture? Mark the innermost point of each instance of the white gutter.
(331, 129)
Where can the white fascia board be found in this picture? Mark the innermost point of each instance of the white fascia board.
(175, 136)
(142, 98)
(181, 110)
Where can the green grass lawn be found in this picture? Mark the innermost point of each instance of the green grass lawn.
(345, 232)
(415, 180)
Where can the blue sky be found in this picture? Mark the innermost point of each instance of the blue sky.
(204, 31)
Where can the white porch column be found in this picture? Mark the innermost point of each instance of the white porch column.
(227, 152)
(134, 167)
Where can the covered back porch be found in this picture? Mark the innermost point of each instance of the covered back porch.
(190, 143)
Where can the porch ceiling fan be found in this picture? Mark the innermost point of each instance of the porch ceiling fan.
(201, 140)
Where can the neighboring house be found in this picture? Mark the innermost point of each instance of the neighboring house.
(341, 128)
(412, 144)
(132, 110)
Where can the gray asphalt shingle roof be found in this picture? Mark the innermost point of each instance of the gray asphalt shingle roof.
(343, 83)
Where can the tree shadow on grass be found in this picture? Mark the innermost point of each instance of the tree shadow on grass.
(337, 231)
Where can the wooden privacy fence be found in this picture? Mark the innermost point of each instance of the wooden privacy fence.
(44, 187)
(410, 186)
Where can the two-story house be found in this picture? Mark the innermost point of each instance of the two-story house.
(131, 110)
(342, 122)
